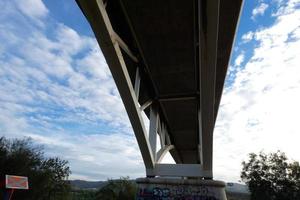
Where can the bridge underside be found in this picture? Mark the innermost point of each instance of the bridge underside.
(169, 59)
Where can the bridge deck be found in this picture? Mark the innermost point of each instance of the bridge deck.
(181, 51)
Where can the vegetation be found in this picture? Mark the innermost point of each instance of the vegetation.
(47, 176)
(122, 189)
(87, 185)
(272, 177)
(83, 195)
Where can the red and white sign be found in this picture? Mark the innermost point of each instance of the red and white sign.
(16, 182)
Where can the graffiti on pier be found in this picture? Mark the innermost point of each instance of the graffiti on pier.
(175, 193)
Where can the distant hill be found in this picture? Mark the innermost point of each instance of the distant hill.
(92, 185)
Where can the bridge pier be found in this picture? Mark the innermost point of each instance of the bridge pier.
(183, 189)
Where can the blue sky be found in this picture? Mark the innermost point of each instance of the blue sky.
(56, 88)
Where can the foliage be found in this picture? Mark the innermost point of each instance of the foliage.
(272, 177)
(122, 189)
(83, 195)
(47, 176)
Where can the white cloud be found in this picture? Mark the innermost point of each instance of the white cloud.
(47, 71)
(32, 8)
(285, 7)
(97, 157)
(260, 110)
(56, 88)
(259, 10)
(239, 60)
(94, 65)
(247, 37)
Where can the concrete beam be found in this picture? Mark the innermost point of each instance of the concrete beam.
(179, 170)
(209, 23)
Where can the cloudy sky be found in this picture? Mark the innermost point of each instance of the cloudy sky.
(56, 88)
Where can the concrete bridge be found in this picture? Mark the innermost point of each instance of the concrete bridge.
(169, 59)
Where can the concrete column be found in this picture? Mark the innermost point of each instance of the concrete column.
(179, 189)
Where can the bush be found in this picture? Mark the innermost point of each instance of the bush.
(47, 176)
(122, 189)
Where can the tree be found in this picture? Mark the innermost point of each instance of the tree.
(122, 189)
(47, 176)
(272, 176)
(83, 194)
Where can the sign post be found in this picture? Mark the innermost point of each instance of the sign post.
(15, 182)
